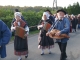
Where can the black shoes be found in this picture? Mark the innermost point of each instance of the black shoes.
(49, 52)
(63, 58)
(26, 56)
(42, 53)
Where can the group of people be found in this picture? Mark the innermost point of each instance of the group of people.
(61, 21)
(75, 22)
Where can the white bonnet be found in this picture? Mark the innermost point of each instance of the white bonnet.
(17, 14)
(47, 15)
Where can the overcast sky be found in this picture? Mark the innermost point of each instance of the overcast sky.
(62, 3)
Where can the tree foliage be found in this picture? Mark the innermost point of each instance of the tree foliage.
(73, 9)
(32, 14)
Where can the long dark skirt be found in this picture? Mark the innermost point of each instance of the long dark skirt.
(45, 41)
(20, 46)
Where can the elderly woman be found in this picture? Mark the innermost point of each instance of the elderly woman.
(44, 41)
(20, 44)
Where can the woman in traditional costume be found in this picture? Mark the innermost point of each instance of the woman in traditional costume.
(20, 44)
(44, 41)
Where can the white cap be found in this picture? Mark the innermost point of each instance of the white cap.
(17, 14)
(47, 15)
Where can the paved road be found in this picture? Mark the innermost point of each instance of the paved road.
(73, 49)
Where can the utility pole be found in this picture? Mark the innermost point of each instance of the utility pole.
(54, 4)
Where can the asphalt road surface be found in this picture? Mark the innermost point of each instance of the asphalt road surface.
(73, 49)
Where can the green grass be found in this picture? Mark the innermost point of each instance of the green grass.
(30, 33)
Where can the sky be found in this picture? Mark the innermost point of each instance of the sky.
(22, 3)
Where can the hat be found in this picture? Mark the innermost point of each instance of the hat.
(61, 10)
(16, 10)
(17, 14)
(48, 10)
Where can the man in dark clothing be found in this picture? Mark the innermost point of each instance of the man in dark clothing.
(63, 25)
